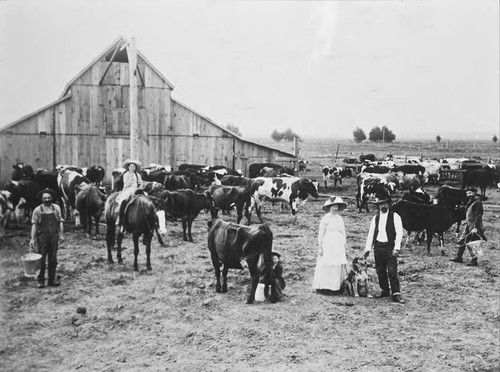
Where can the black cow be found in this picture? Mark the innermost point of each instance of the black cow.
(481, 178)
(417, 196)
(410, 169)
(94, 174)
(228, 197)
(186, 204)
(254, 169)
(22, 172)
(177, 182)
(369, 157)
(371, 187)
(230, 243)
(433, 218)
(452, 198)
(375, 169)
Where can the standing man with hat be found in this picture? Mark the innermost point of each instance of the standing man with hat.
(132, 181)
(47, 231)
(385, 235)
(331, 262)
(474, 229)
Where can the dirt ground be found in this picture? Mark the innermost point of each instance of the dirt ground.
(171, 318)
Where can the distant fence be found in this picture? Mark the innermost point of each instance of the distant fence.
(454, 175)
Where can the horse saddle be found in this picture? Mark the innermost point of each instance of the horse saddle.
(126, 203)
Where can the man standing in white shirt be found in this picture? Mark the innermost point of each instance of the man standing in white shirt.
(385, 235)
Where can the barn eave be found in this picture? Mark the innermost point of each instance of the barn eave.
(26, 117)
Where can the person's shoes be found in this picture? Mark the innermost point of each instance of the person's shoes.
(53, 283)
(398, 299)
(382, 294)
(473, 262)
(457, 260)
(41, 284)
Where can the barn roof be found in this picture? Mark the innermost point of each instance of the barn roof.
(118, 45)
(62, 99)
(228, 131)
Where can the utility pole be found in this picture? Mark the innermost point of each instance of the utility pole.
(135, 130)
(296, 154)
(383, 134)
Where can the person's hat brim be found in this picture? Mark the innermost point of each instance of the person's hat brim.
(52, 193)
(334, 200)
(277, 254)
(127, 162)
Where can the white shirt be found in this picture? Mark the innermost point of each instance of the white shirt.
(382, 234)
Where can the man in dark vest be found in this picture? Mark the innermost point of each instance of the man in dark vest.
(47, 233)
(385, 235)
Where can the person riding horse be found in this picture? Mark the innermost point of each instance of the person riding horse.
(132, 181)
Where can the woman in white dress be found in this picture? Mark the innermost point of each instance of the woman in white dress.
(331, 264)
(131, 182)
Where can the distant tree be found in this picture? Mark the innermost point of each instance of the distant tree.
(378, 134)
(288, 135)
(495, 139)
(233, 128)
(438, 138)
(359, 135)
(276, 136)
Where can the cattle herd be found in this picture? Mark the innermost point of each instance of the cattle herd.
(182, 194)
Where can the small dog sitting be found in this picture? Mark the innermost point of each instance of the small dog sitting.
(356, 283)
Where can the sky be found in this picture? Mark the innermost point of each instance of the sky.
(321, 68)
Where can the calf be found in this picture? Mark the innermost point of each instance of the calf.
(433, 218)
(337, 174)
(230, 243)
(227, 197)
(372, 187)
(285, 189)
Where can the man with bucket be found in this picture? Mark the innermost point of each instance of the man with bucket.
(47, 232)
(474, 229)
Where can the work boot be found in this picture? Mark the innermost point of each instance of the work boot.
(53, 283)
(457, 260)
(473, 262)
(397, 298)
(382, 294)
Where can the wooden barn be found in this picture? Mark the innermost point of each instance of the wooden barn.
(108, 113)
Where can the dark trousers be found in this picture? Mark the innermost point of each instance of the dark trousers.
(386, 266)
(47, 247)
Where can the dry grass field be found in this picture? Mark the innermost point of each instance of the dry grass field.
(171, 319)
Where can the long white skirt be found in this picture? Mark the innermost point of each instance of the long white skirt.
(329, 276)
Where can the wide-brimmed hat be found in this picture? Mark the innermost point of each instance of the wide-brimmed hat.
(472, 189)
(277, 254)
(52, 193)
(127, 162)
(334, 200)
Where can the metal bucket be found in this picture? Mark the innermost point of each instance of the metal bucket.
(31, 264)
(259, 293)
(475, 245)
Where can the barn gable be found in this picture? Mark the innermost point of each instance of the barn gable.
(111, 67)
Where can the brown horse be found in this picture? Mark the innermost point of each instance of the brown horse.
(139, 219)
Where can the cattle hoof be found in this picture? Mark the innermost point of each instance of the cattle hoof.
(224, 290)
(218, 290)
(149, 268)
(120, 261)
(111, 261)
(249, 301)
(136, 268)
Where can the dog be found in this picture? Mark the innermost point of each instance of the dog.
(356, 283)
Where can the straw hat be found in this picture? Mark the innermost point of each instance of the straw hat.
(131, 161)
(277, 254)
(334, 200)
(52, 193)
(471, 189)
